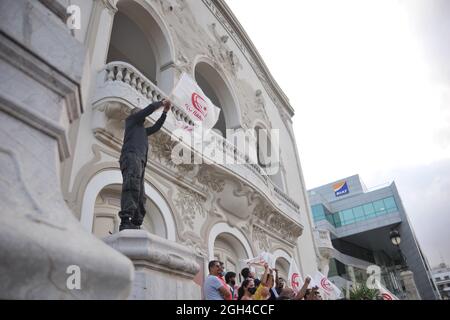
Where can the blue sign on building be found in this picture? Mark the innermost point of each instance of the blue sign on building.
(340, 188)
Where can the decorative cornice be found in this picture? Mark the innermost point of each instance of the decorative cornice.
(229, 22)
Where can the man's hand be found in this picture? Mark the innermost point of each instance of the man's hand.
(166, 103)
(307, 280)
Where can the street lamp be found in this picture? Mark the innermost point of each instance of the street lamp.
(395, 237)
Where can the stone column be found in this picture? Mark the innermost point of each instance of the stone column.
(164, 269)
(44, 251)
(410, 286)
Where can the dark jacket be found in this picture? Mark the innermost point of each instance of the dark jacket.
(135, 137)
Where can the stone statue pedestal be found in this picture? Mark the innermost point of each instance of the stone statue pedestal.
(163, 269)
(410, 285)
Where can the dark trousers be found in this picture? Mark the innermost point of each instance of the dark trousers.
(132, 201)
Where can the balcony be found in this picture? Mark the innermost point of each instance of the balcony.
(120, 87)
(323, 242)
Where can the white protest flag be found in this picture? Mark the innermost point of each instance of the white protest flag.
(385, 293)
(261, 259)
(328, 290)
(294, 278)
(190, 97)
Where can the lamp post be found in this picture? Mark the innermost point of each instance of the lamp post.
(396, 239)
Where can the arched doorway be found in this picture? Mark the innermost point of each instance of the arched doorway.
(107, 207)
(229, 250)
(283, 267)
(107, 185)
(231, 247)
(282, 263)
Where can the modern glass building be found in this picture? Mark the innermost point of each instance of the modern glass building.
(361, 223)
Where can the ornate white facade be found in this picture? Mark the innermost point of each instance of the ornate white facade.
(127, 54)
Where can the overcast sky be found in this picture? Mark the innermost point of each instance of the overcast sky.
(370, 85)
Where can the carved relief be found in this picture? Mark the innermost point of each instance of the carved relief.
(276, 222)
(190, 206)
(221, 53)
(161, 146)
(196, 246)
(211, 181)
(260, 237)
(109, 118)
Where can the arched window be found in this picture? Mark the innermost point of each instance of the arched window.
(131, 45)
(215, 87)
(138, 39)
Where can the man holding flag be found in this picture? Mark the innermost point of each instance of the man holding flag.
(133, 160)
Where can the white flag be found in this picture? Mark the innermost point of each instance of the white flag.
(190, 97)
(261, 259)
(385, 293)
(327, 289)
(295, 280)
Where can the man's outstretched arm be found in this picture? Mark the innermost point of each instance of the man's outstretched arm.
(159, 123)
(142, 114)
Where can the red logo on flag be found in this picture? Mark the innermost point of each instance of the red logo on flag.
(386, 296)
(325, 284)
(294, 280)
(200, 106)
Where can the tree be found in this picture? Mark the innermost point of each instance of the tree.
(361, 292)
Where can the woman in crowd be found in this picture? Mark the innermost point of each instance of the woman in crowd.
(247, 290)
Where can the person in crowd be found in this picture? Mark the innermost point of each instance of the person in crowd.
(272, 289)
(263, 289)
(230, 279)
(286, 294)
(214, 288)
(279, 282)
(247, 290)
(302, 292)
(248, 274)
(313, 294)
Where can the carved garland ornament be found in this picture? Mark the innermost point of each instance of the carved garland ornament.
(190, 205)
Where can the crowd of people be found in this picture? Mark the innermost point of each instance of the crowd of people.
(223, 286)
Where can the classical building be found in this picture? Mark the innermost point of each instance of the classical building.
(71, 71)
(441, 276)
(359, 228)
